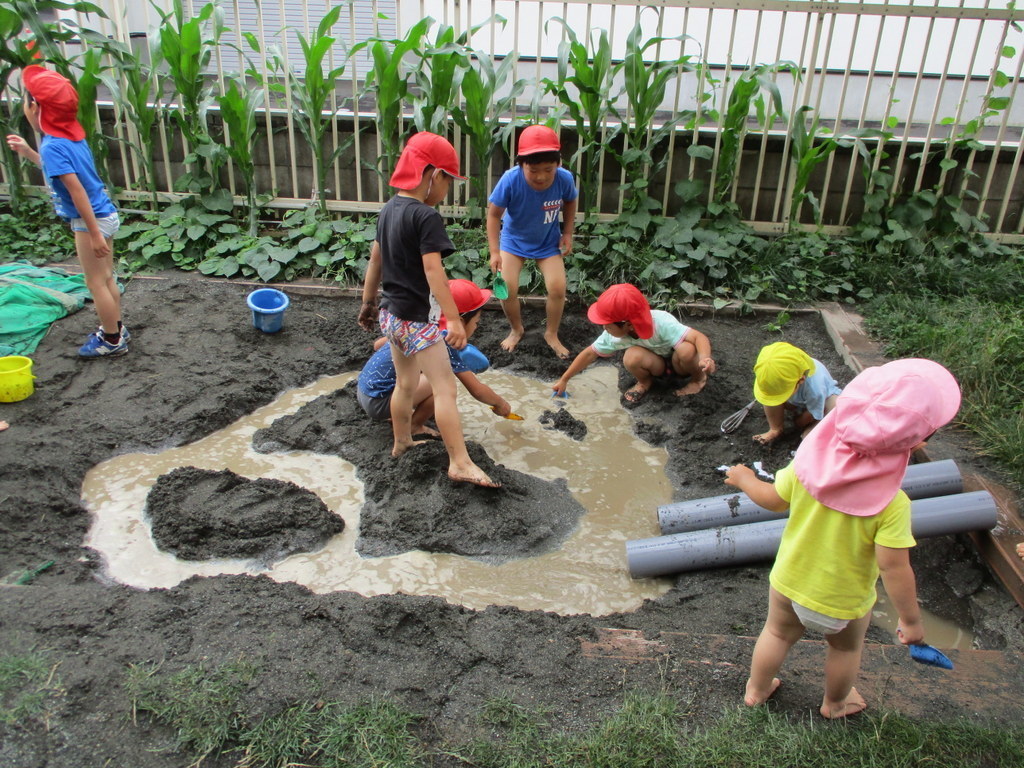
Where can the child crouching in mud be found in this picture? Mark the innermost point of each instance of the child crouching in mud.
(848, 521)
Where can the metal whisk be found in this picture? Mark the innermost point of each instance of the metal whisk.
(730, 423)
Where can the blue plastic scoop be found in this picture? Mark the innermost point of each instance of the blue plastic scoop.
(933, 657)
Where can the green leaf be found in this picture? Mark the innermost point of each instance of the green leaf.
(307, 244)
(700, 151)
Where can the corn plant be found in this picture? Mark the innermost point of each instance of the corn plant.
(91, 74)
(238, 108)
(748, 91)
(388, 81)
(138, 91)
(591, 74)
(186, 48)
(645, 85)
(479, 116)
(24, 37)
(438, 77)
(310, 95)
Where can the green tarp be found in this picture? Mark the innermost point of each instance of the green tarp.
(31, 299)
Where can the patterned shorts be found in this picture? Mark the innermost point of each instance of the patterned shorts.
(409, 336)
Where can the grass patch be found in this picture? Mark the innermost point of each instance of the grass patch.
(29, 689)
(650, 731)
(982, 343)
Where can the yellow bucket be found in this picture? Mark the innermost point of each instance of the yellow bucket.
(15, 378)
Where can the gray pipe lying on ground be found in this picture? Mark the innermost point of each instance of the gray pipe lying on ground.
(922, 481)
(757, 542)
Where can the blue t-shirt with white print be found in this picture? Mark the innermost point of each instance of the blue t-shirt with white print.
(61, 156)
(531, 226)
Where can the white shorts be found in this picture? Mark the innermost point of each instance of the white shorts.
(109, 224)
(821, 622)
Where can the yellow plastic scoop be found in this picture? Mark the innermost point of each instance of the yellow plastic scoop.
(511, 416)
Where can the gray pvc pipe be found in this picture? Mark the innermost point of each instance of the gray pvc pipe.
(925, 480)
(757, 542)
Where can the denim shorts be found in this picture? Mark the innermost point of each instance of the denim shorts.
(109, 224)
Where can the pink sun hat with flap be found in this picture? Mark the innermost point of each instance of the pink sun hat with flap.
(855, 459)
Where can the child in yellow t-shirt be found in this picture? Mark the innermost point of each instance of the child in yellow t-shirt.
(848, 522)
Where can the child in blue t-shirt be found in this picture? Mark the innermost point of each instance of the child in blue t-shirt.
(378, 378)
(79, 197)
(532, 216)
(788, 379)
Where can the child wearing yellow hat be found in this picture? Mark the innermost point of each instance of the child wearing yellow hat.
(788, 379)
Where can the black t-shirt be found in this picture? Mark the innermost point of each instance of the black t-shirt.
(407, 229)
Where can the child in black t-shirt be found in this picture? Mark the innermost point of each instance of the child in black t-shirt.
(405, 262)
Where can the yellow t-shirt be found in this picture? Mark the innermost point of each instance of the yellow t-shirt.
(826, 560)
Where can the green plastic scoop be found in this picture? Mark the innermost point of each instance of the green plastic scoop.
(500, 289)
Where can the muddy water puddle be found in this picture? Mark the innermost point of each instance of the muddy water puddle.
(619, 479)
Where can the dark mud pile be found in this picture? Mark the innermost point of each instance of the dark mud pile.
(197, 514)
(197, 365)
(411, 503)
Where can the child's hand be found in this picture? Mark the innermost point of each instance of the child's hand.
(368, 316)
(559, 388)
(18, 144)
(100, 246)
(565, 244)
(496, 261)
(707, 364)
(910, 633)
(456, 337)
(738, 475)
(503, 409)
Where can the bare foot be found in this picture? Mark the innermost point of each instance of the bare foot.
(635, 394)
(1020, 547)
(754, 699)
(510, 342)
(425, 430)
(854, 703)
(399, 448)
(697, 382)
(766, 437)
(557, 346)
(475, 475)
(4, 425)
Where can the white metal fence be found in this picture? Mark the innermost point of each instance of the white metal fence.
(924, 72)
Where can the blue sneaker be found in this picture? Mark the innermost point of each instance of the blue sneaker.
(125, 333)
(97, 346)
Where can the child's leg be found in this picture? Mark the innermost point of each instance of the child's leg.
(781, 630)
(100, 280)
(842, 664)
(437, 368)
(553, 269)
(423, 408)
(685, 362)
(646, 366)
(407, 377)
(511, 266)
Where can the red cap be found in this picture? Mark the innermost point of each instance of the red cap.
(536, 139)
(58, 102)
(422, 150)
(621, 303)
(467, 295)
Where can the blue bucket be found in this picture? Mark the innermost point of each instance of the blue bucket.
(268, 306)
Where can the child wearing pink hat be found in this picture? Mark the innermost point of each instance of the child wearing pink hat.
(848, 522)
(655, 344)
(406, 264)
(79, 197)
(531, 217)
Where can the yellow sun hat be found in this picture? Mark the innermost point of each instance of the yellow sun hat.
(778, 368)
